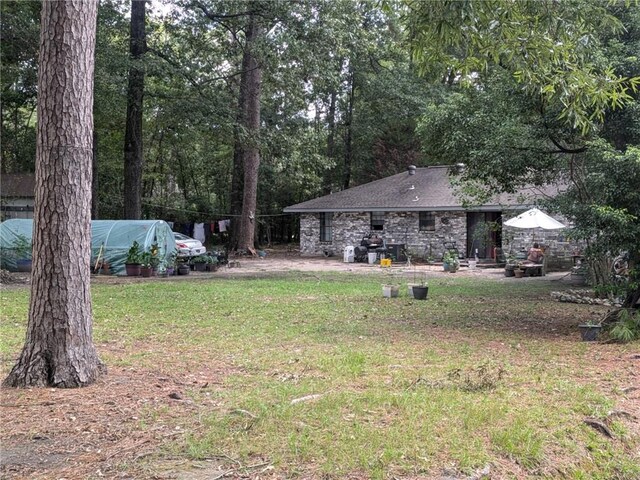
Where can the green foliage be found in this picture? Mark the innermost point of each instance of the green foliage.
(549, 47)
(627, 327)
(134, 253)
(145, 259)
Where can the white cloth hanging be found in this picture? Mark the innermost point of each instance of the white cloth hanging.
(198, 232)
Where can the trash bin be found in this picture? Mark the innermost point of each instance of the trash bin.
(373, 256)
(349, 255)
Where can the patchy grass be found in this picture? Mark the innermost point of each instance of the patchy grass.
(483, 373)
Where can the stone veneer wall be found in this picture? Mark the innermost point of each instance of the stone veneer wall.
(402, 227)
(557, 245)
(399, 227)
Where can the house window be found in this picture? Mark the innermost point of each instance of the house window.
(326, 228)
(377, 220)
(427, 221)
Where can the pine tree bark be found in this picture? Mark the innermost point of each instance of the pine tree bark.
(331, 143)
(348, 142)
(59, 350)
(133, 154)
(252, 79)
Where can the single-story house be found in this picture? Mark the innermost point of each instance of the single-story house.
(420, 211)
(17, 195)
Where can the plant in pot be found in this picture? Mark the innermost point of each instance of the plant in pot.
(183, 268)
(518, 272)
(450, 262)
(22, 251)
(154, 261)
(421, 290)
(589, 331)
(171, 263)
(199, 263)
(132, 262)
(511, 265)
(212, 263)
(146, 269)
(418, 288)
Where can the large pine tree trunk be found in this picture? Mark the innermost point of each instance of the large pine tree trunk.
(59, 349)
(331, 143)
(252, 79)
(348, 142)
(133, 158)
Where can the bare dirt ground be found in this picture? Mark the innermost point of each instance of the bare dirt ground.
(99, 431)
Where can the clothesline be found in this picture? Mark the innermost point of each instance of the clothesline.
(209, 214)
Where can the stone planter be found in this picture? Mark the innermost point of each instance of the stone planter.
(390, 291)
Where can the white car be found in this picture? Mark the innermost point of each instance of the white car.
(187, 246)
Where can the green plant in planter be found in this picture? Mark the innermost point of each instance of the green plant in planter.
(154, 260)
(133, 255)
(199, 259)
(450, 259)
(172, 259)
(145, 259)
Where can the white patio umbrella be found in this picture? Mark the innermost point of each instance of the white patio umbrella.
(534, 218)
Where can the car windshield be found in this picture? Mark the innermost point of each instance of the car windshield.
(179, 236)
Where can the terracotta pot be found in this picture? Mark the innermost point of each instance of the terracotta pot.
(133, 269)
(146, 271)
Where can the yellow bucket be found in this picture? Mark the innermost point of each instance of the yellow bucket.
(385, 262)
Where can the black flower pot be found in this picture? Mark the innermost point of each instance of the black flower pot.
(589, 333)
(183, 270)
(420, 292)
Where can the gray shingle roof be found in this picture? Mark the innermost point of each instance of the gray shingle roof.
(429, 189)
(21, 185)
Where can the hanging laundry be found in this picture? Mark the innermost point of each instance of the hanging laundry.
(198, 232)
(223, 225)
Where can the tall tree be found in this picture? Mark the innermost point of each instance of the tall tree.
(59, 350)
(133, 153)
(547, 77)
(251, 88)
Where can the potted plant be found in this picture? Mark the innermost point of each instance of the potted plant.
(419, 288)
(589, 331)
(132, 262)
(172, 260)
(183, 268)
(145, 264)
(450, 262)
(212, 263)
(199, 263)
(518, 272)
(22, 249)
(154, 260)
(511, 265)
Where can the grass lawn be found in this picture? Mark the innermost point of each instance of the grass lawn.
(319, 376)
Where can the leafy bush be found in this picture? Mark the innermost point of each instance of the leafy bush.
(627, 328)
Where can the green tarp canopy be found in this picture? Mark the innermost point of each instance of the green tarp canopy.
(114, 236)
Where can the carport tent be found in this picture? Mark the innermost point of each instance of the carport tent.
(115, 237)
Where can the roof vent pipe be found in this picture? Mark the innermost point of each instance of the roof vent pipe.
(411, 169)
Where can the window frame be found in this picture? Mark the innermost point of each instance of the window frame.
(427, 224)
(326, 227)
(376, 221)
